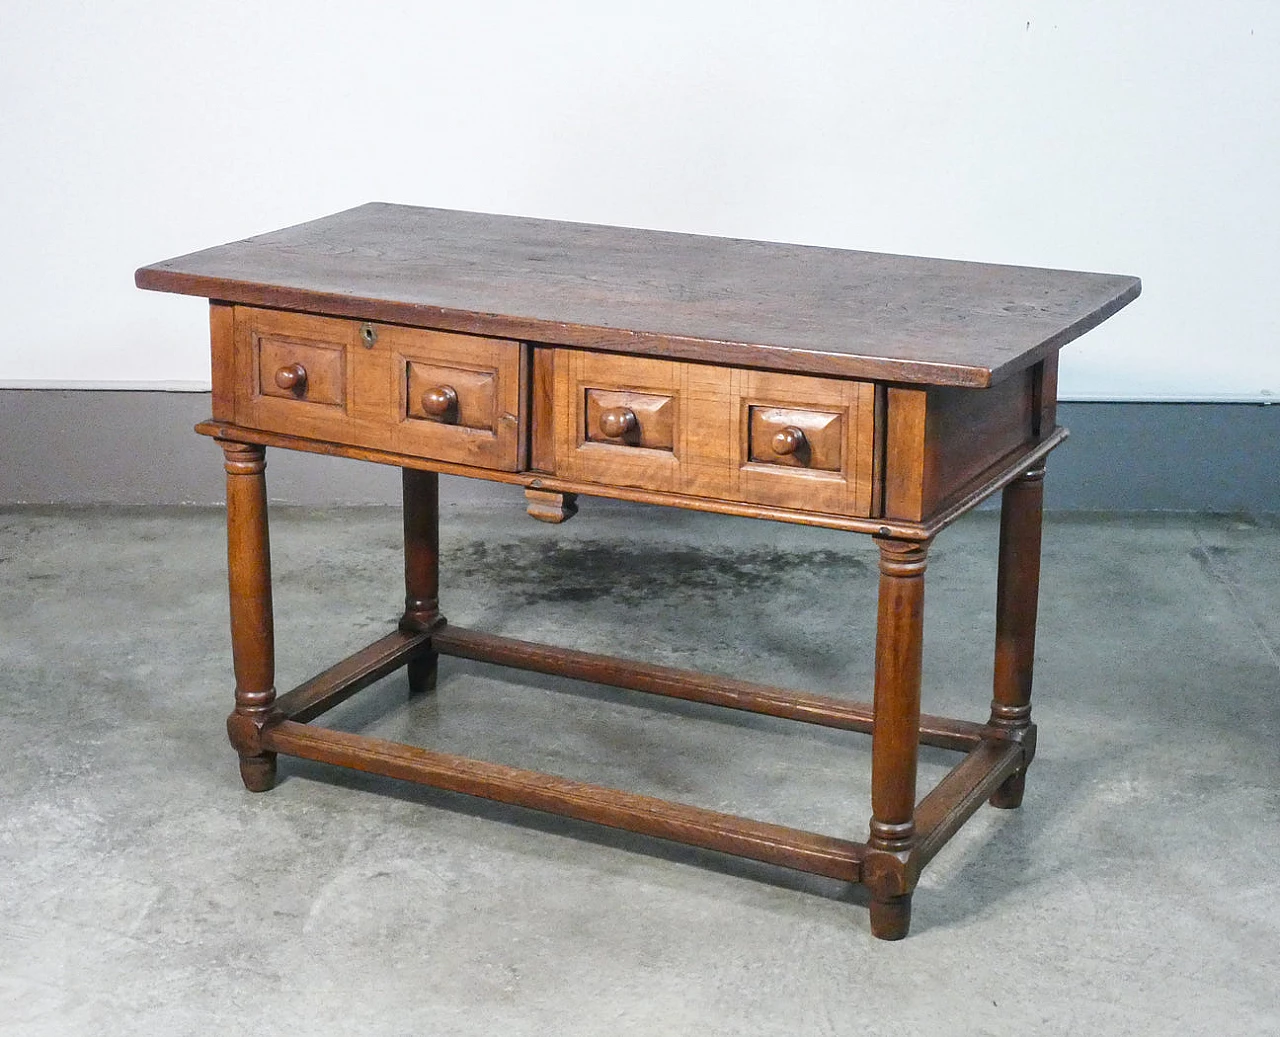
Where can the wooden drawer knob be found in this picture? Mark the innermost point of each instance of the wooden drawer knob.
(292, 377)
(788, 441)
(616, 422)
(438, 402)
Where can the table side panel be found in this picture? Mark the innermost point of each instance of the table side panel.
(968, 429)
(222, 335)
(1045, 410)
(940, 439)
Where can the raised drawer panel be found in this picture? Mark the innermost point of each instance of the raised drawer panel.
(314, 372)
(698, 429)
(450, 395)
(635, 419)
(805, 439)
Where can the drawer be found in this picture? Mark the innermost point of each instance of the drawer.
(758, 437)
(433, 394)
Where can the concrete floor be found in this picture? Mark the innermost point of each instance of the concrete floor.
(143, 891)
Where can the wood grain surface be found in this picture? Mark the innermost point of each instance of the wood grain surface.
(681, 296)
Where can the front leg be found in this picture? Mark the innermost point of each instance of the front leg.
(895, 736)
(252, 629)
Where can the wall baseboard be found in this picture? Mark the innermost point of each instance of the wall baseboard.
(137, 447)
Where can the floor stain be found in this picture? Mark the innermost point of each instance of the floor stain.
(630, 574)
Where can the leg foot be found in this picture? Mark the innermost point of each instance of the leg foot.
(891, 917)
(258, 772)
(422, 673)
(1009, 795)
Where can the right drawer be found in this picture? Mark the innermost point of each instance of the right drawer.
(758, 437)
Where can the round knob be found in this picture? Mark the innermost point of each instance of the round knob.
(292, 377)
(618, 421)
(439, 401)
(788, 441)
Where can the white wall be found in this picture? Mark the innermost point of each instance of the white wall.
(1136, 137)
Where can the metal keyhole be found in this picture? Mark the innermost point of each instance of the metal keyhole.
(368, 335)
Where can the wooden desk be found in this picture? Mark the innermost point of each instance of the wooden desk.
(878, 394)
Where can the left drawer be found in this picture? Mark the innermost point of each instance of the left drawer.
(432, 394)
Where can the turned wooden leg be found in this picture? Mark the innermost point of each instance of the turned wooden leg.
(1017, 595)
(252, 633)
(896, 734)
(549, 506)
(421, 570)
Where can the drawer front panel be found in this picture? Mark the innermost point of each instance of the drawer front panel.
(292, 373)
(672, 420)
(455, 397)
(758, 437)
(431, 394)
(805, 443)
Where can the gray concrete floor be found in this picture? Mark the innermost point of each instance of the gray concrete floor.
(143, 891)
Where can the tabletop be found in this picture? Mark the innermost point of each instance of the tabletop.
(720, 300)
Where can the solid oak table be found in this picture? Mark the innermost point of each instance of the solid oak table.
(873, 393)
